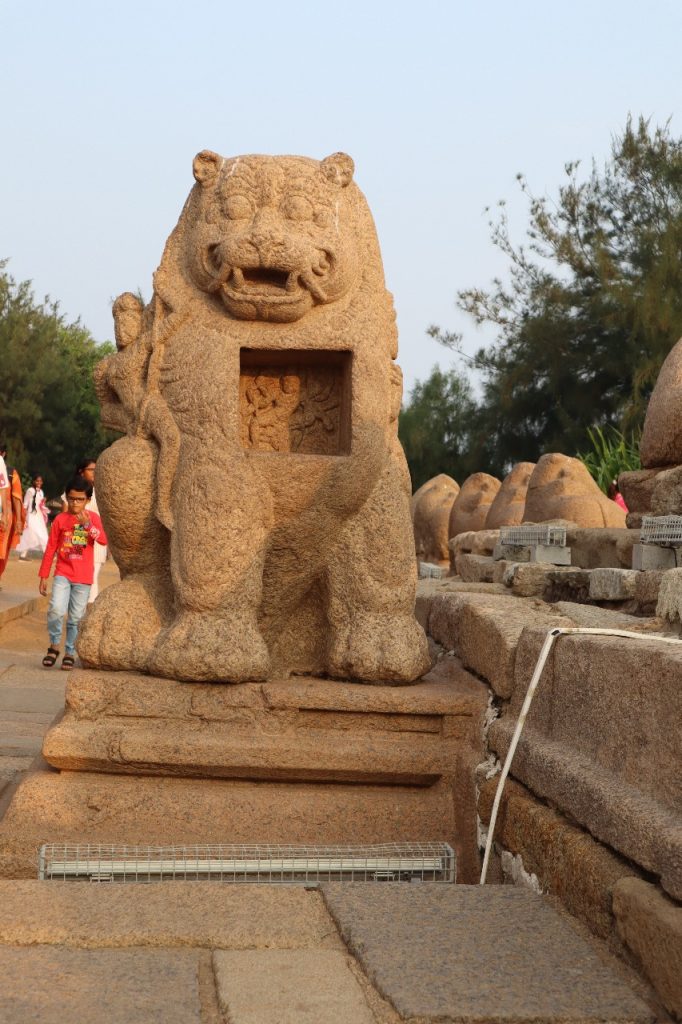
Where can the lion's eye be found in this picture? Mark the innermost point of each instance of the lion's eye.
(238, 207)
(297, 208)
(322, 217)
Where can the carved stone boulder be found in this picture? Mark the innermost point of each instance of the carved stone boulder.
(473, 502)
(561, 488)
(258, 505)
(510, 501)
(431, 518)
(661, 443)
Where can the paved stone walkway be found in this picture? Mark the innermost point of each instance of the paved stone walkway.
(211, 953)
(30, 696)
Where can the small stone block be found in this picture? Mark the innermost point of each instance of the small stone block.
(651, 556)
(54, 985)
(512, 552)
(550, 553)
(289, 987)
(477, 953)
(612, 584)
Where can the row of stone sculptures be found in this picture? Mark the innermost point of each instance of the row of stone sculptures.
(556, 487)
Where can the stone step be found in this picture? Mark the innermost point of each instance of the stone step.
(479, 953)
(83, 807)
(158, 914)
(303, 729)
(614, 701)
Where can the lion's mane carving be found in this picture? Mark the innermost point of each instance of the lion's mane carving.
(258, 505)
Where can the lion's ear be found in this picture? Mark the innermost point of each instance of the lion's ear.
(338, 168)
(206, 166)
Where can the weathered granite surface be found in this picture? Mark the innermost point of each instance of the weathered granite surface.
(259, 397)
(465, 953)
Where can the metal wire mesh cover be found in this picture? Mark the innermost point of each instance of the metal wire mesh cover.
(391, 862)
(661, 530)
(530, 536)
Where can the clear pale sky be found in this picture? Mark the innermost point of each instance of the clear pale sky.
(439, 104)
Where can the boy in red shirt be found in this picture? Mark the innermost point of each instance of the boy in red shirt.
(73, 536)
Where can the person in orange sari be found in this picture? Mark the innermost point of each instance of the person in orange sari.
(11, 509)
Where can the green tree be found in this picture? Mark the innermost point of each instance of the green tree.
(49, 415)
(434, 427)
(592, 304)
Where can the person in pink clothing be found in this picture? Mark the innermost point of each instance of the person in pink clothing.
(615, 495)
(72, 539)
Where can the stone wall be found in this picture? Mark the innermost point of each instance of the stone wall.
(593, 806)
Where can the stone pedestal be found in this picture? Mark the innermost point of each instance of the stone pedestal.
(142, 760)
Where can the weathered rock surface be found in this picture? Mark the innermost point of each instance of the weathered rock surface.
(650, 925)
(612, 584)
(508, 506)
(295, 729)
(290, 987)
(566, 860)
(78, 807)
(561, 488)
(122, 986)
(484, 629)
(194, 914)
(666, 498)
(476, 568)
(472, 504)
(471, 542)
(661, 443)
(669, 604)
(602, 547)
(637, 487)
(620, 782)
(431, 508)
(429, 950)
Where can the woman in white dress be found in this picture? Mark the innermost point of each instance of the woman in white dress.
(34, 537)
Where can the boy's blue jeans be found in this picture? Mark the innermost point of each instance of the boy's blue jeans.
(70, 599)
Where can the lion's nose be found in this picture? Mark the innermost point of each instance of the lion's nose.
(266, 235)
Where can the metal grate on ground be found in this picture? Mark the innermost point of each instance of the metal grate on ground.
(302, 865)
(533, 535)
(663, 530)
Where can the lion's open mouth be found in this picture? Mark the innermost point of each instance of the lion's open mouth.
(265, 280)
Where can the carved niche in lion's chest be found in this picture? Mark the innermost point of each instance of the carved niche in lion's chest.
(295, 401)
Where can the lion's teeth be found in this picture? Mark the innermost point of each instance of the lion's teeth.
(237, 277)
(292, 282)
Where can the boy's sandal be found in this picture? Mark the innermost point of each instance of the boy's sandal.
(51, 657)
(68, 662)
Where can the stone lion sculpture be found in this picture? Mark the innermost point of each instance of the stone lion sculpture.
(258, 504)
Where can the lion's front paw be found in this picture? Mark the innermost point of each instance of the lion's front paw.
(120, 628)
(202, 646)
(380, 648)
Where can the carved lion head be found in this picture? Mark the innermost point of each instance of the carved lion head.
(274, 236)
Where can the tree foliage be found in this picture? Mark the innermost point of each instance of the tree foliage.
(434, 427)
(591, 306)
(49, 415)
